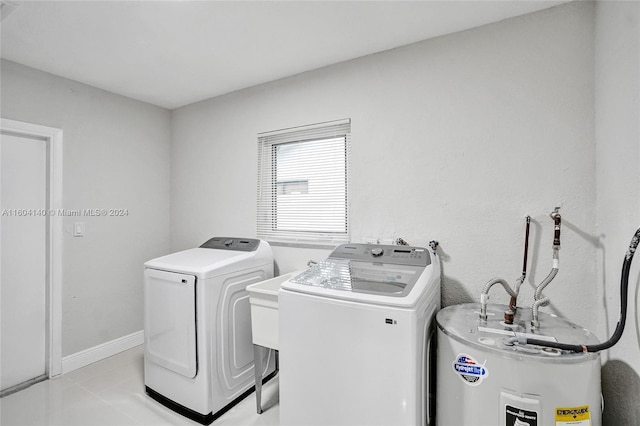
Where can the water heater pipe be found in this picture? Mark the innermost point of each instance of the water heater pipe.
(511, 311)
(484, 295)
(538, 300)
(617, 334)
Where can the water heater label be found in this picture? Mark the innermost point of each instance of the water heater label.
(519, 417)
(469, 370)
(574, 416)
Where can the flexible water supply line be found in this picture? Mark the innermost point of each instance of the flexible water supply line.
(538, 300)
(554, 271)
(537, 297)
(484, 296)
(617, 334)
(535, 323)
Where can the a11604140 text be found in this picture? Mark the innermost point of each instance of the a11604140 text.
(65, 212)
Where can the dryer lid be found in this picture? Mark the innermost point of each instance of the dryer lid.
(210, 261)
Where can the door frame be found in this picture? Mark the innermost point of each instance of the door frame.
(53, 139)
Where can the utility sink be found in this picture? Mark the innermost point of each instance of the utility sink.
(263, 297)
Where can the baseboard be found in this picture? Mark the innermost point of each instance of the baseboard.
(100, 352)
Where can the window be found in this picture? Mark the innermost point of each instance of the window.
(303, 184)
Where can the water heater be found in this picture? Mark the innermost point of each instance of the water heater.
(482, 379)
(500, 365)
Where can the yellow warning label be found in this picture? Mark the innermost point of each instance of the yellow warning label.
(579, 416)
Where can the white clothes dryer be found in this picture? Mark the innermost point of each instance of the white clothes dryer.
(198, 352)
(355, 332)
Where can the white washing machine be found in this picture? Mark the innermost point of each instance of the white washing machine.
(355, 334)
(198, 352)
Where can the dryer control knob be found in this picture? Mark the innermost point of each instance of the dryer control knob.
(228, 242)
(376, 252)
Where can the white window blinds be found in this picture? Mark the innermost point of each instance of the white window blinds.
(303, 184)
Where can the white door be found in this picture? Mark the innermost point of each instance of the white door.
(23, 252)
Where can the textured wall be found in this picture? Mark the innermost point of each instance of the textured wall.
(617, 92)
(455, 138)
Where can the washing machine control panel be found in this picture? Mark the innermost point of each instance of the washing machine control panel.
(226, 243)
(401, 255)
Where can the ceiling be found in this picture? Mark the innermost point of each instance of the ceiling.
(173, 53)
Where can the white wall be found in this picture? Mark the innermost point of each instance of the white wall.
(116, 155)
(454, 139)
(617, 92)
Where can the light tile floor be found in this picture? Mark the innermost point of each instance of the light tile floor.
(111, 393)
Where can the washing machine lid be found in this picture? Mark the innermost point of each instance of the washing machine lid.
(215, 257)
(392, 275)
